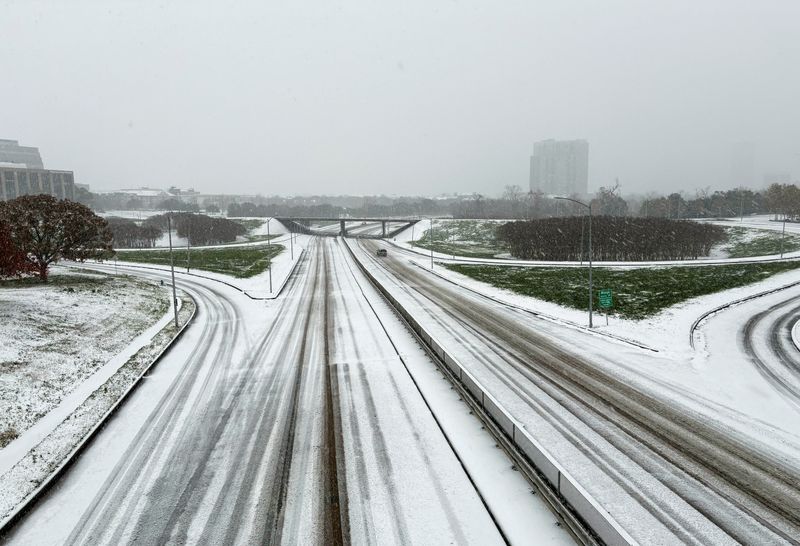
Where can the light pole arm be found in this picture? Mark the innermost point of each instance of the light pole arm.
(589, 206)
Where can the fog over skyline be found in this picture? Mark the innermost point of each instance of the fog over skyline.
(405, 98)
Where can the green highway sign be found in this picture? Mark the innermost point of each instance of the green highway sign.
(606, 300)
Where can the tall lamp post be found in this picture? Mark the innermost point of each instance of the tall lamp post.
(589, 207)
(431, 219)
(269, 256)
(172, 268)
(783, 233)
(188, 240)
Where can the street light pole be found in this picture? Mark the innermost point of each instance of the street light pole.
(431, 243)
(188, 241)
(591, 289)
(783, 233)
(269, 256)
(591, 298)
(172, 269)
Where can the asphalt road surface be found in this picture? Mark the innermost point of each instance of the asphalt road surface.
(668, 471)
(299, 425)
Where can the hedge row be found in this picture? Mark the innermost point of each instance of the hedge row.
(614, 238)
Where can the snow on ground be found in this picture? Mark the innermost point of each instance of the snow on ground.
(137, 215)
(716, 371)
(756, 223)
(23, 470)
(257, 286)
(56, 335)
(523, 517)
(759, 221)
(101, 332)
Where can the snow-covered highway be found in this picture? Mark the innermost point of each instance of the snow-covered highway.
(317, 418)
(665, 463)
(767, 339)
(289, 421)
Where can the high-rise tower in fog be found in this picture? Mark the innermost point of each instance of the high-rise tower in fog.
(560, 167)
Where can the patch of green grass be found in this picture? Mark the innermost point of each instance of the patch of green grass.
(764, 243)
(468, 238)
(73, 281)
(240, 262)
(637, 293)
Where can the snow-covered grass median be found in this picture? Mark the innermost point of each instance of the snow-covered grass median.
(637, 293)
(239, 262)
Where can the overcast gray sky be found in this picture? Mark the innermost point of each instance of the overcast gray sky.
(411, 97)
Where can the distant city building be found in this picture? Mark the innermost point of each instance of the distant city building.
(743, 164)
(560, 167)
(17, 181)
(22, 173)
(12, 154)
(142, 198)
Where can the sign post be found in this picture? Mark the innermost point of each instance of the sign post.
(606, 301)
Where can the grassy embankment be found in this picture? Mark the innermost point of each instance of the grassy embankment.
(638, 293)
(746, 243)
(467, 238)
(56, 334)
(240, 262)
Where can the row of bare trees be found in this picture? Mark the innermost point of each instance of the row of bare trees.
(614, 238)
(199, 228)
(129, 234)
(778, 199)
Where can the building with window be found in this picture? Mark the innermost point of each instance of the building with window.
(17, 181)
(22, 173)
(22, 156)
(560, 167)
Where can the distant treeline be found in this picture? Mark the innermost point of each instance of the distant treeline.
(129, 234)
(614, 238)
(199, 228)
(400, 208)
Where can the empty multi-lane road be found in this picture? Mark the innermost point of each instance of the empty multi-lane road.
(303, 420)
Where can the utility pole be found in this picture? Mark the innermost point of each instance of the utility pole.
(591, 298)
(741, 204)
(431, 243)
(269, 256)
(188, 241)
(783, 233)
(291, 244)
(591, 289)
(172, 269)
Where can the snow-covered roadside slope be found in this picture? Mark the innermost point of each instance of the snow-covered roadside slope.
(258, 286)
(44, 448)
(56, 335)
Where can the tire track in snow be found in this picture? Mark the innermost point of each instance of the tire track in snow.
(781, 367)
(763, 491)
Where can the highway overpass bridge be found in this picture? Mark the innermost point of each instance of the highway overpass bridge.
(367, 228)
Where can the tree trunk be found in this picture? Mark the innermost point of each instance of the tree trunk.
(42, 272)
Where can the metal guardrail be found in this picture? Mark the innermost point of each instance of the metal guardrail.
(569, 492)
